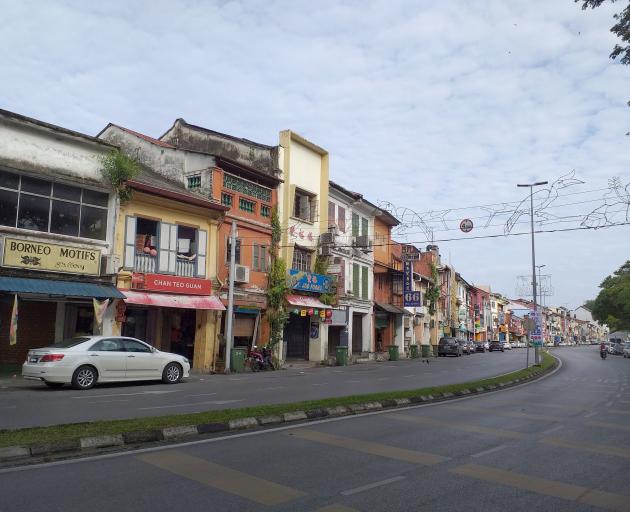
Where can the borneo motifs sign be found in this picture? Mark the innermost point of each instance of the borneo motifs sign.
(31, 255)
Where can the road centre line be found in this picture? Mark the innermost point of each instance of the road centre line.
(381, 450)
(83, 397)
(545, 486)
(613, 426)
(223, 478)
(215, 402)
(204, 394)
(591, 414)
(423, 420)
(618, 411)
(511, 414)
(491, 450)
(552, 429)
(616, 451)
(374, 485)
(258, 432)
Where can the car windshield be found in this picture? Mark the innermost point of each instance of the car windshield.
(71, 342)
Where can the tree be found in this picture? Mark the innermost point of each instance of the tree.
(277, 287)
(621, 28)
(612, 305)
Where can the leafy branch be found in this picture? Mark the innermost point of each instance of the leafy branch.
(118, 169)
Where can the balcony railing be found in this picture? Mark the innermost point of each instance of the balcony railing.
(185, 268)
(147, 264)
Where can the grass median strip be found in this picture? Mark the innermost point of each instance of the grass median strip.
(56, 433)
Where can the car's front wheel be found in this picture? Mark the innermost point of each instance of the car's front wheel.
(84, 377)
(172, 373)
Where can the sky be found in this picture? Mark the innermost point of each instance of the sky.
(430, 106)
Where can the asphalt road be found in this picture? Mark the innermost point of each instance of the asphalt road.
(27, 404)
(559, 444)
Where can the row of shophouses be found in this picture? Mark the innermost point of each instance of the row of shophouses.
(76, 260)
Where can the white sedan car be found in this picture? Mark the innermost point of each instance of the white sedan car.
(86, 360)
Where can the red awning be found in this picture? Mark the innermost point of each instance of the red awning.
(307, 302)
(167, 300)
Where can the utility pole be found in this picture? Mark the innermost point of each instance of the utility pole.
(531, 214)
(230, 309)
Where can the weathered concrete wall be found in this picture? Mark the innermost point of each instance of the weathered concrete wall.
(258, 156)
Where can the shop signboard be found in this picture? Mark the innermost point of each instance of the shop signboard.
(309, 282)
(171, 284)
(411, 298)
(43, 256)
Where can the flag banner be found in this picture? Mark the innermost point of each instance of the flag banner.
(14, 323)
(100, 306)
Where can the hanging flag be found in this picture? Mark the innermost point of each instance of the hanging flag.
(14, 323)
(100, 306)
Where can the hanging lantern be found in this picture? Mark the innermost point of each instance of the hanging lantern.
(310, 312)
(329, 313)
(303, 312)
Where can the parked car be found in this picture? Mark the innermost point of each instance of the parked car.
(480, 346)
(486, 344)
(471, 346)
(449, 346)
(507, 345)
(626, 350)
(86, 360)
(617, 348)
(465, 346)
(496, 345)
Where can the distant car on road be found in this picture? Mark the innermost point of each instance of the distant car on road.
(449, 346)
(86, 360)
(465, 347)
(626, 350)
(496, 346)
(480, 347)
(617, 348)
(507, 345)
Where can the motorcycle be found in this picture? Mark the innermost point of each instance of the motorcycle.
(603, 354)
(260, 359)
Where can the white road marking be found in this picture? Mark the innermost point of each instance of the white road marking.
(367, 487)
(125, 394)
(590, 414)
(9, 407)
(353, 381)
(552, 429)
(271, 389)
(491, 450)
(106, 402)
(407, 376)
(383, 378)
(319, 383)
(205, 394)
(213, 402)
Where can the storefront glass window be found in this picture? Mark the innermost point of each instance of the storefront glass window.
(33, 212)
(54, 208)
(93, 222)
(64, 218)
(8, 207)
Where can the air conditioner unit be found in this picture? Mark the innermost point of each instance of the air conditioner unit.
(110, 264)
(241, 274)
(327, 238)
(361, 241)
(325, 250)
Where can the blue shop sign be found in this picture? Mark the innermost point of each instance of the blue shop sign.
(309, 282)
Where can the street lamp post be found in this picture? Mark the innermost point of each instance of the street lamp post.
(531, 215)
(540, 293)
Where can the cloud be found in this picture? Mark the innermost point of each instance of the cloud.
(430, 105)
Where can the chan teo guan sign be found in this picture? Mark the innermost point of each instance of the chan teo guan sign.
(32, 255)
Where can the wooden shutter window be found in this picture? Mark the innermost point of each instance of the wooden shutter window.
(130, 242)
(355, 224)
(256, 257)
(364, 226)
(341, 219)
(202, 247)
(356, 279)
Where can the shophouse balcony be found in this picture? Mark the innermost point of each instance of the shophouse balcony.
(185, 268)
(145, 263)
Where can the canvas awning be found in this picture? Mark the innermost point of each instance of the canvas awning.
(59, 288)
(306, 302)
(167, 300)
(390, 308)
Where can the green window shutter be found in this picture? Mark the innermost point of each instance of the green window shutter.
(364, 283)
(364, 226)
(355, 224)
(356, 279)
(256, 257)
(263, 258)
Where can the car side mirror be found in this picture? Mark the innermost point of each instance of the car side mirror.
(153, 350)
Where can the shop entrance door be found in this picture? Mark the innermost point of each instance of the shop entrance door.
(357, 333)
(296, 335)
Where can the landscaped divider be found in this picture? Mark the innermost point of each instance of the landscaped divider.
(87, 438)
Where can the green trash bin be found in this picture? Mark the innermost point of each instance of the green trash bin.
(413, 351)
(426, 350)
(435, 350)
(237, 359)
(393, 352)
(342, 355)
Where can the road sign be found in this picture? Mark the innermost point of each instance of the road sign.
(466, 225)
